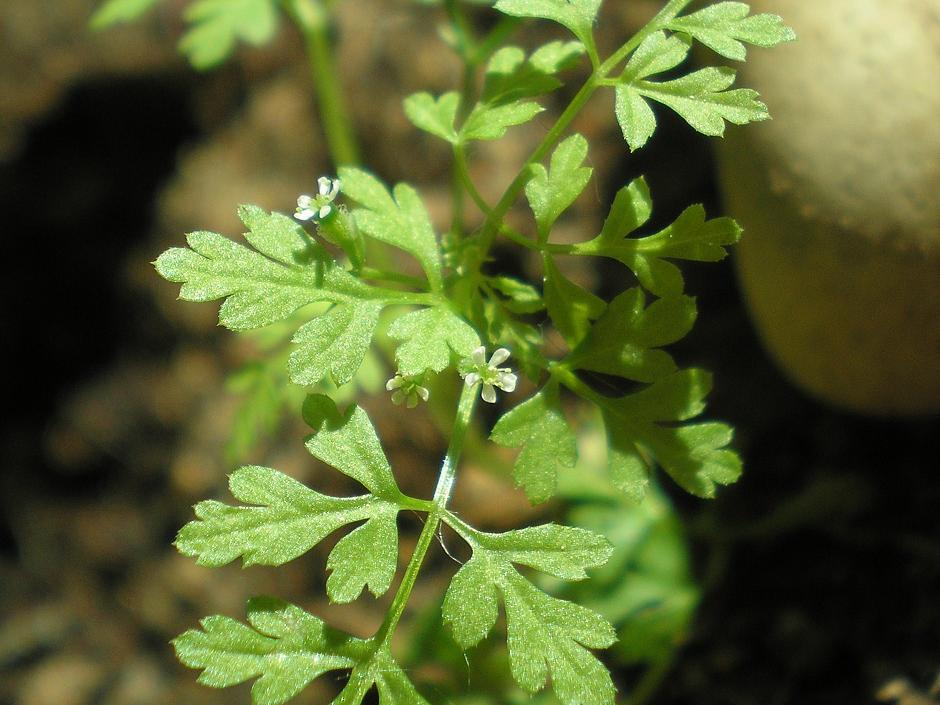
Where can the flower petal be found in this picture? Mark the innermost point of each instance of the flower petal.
(507, 381)
(499, 356)
(472, 378)
(479, 355)
(489, 393)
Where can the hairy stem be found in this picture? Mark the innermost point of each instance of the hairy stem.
(442, 494)
(314, 22)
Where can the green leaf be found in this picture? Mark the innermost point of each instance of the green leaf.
(335, 343)
(402, 221)
(624, 340)
(700, 98)
(556, 56)
(631, 209)
(490, 122)
(284, 647)
(382, 672)
(724, 26)
(367, 557)
(510, 76)
(550, 193)
(657, 53)
(436, 116)
(690, 237)
(286, 520)
(577, 15)
(112, 12)
(520, 297)
(429, 337)
(218, 24)
(570, 307)
(538, 425)
(546, 636)
(349, 443)
(644, 426)
(287, 271)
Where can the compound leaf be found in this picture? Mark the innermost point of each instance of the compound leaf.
(285, 520)
(349, 443)
(113, 12)
(577, 15)
(402, 221)
(334, 343)
(282, 646)
(724, 26)
(284, 272)
(538, 425)
(436, 116)
(218, 24)
(551, 192)
(701, 98)
(689, 237)
(429, 337)
(624, 341)
(546, 636)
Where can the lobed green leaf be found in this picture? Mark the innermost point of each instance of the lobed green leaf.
(285, 520)
(551, 192)
(349, 443)
(570, 307)
(490, 122)
(434, 115)
(642, 427)
(538, 425)
(724, 26)
(547, 637)
(216, 26)
(402, 221)
(690, 237)
(282, 646)
(429, 338)
(334, 343)
(577, 15)
(284, 272)
(624, 341)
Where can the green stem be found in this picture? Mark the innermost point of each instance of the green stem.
(314, 22)
(388, 276)
(463, 177)
(442, 494)
(598, 78)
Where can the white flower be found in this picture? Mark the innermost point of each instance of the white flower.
(407, 390)
(490, 373)
(320, 206)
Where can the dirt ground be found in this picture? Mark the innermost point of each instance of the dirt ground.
(820, 568)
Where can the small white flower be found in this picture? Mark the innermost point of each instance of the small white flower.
(489, 373)
(320, 206)
(407, 390)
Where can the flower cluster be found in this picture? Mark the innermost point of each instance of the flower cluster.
(318, 207)
(406, 390)
(490, 373)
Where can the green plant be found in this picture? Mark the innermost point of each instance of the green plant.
(328, 289)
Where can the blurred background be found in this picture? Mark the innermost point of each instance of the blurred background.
(816, 577)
